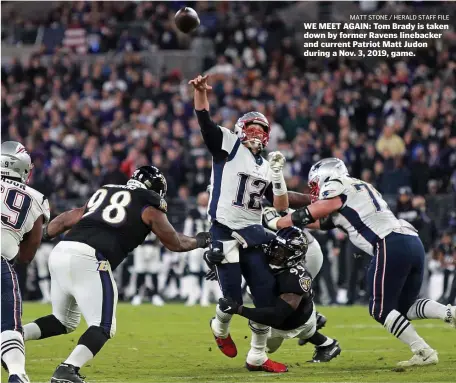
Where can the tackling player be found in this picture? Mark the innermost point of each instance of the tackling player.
(115, 220)
(293, 313)
(396, 271)
(240, 177)
(24, 211)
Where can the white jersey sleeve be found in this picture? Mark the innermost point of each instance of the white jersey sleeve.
(229, 139)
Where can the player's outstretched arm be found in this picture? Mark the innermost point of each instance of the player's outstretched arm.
(200, 87)
(172, 240)
(297, 200)
(31, 242)
(310, 214)
(272, 316)
(63, 222)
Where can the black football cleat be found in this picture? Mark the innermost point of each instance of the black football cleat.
(326, 353)
(321, 322)
(67, 373)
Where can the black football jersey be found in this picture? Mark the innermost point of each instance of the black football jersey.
(112, 222)
(296, 280)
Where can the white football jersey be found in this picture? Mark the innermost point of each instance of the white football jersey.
(364, 215)
(237, 185)
(21, 207)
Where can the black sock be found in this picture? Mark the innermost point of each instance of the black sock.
(154, 283)
(317, 339)
(94, 339)
(50, 326)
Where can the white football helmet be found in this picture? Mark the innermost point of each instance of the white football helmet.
(322, 172)
(15, 161)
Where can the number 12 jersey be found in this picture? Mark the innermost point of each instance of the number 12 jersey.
(238, 184)
(112, 222)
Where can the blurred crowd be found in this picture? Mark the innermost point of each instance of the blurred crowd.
(393, 123)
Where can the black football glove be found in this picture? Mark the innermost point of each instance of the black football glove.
(211, 275)
(213, 257)
(203, 239)
(229, 306)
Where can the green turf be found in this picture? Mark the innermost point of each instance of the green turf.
(174, 344)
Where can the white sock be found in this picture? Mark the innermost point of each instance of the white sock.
(401, 328)
(13, 352)
(221, 323)
(32, 331)
(327, 342)
(80, 356)
(45, 289)
(428, 309)
(257, 353)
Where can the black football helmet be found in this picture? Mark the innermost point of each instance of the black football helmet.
(288, 248)
(152, 178)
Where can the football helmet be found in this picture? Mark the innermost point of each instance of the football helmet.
(152, 178)
(322, 172)
(15, 161)
(255, 137)
(287, 249)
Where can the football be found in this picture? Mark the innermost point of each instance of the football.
(187, 20)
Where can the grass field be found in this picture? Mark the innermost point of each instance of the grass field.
(174, 344)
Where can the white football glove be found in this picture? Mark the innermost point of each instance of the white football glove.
(270, 218)
(276, 161)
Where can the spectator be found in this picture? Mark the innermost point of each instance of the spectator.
(390, 142)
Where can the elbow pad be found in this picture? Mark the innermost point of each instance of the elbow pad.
(302, 217)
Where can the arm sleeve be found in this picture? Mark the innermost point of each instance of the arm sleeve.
(327, 223)
(212, 135)
(271, 316)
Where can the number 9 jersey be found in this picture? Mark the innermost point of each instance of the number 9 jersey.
(364, 215)
(21, 207)
(112, 222)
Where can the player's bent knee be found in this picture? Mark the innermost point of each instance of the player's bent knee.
(71, 323)
(50, 325)
(94, 338)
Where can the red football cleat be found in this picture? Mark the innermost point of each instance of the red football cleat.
(226, 345)
(268, 366)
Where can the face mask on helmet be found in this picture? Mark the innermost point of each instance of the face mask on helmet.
(287, 249)
(253, 130)
(323, 171)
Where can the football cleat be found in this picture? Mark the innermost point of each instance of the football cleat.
(321, 322)
(268, 366)
(326, 353)
(157, 300)
(226, 345)
(67, 373)
(451, 315)
(422, 357)
(21, 378)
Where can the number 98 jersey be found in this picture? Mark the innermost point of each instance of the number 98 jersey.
(364, 215)
(112, 222)
(21, 207)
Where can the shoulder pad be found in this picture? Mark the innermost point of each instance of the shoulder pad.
(331, 189)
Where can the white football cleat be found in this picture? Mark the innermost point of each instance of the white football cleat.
(422, 357)
(137, 300)
(451, 315)
(157, 300)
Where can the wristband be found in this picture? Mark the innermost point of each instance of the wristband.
(279, 187)
(46, 236)
(302, 217)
